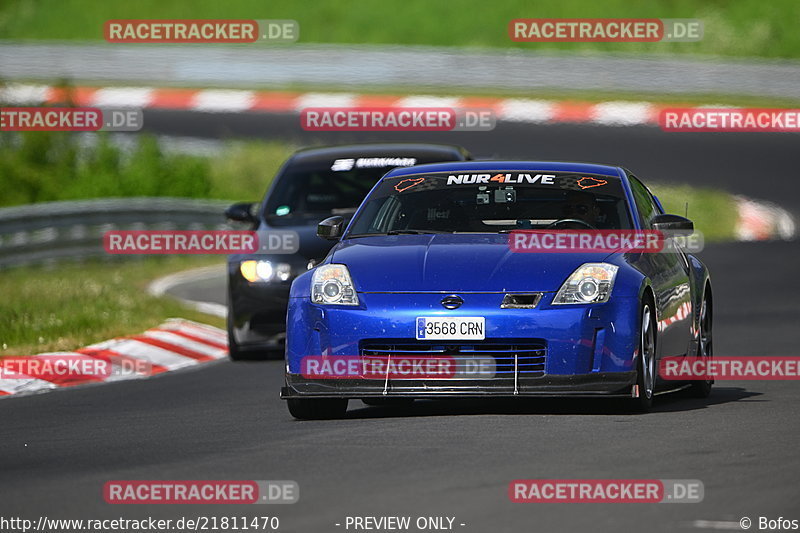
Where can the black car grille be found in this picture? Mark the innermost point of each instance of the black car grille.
(530, 355)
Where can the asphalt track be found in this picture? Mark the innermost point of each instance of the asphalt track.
(448, 458)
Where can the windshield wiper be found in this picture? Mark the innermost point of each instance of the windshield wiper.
(413, 231)
(398, 232)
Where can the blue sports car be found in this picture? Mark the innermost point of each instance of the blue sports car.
(423, 296)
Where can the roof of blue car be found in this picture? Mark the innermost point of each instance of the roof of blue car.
(475, 166)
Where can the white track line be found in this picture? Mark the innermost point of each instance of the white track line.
(429, 101)
(522, 110)
(325, 100)
(19, 94)
(26, 385)
(223, 101)
(196, 328)
(123, 97)
(622, 113)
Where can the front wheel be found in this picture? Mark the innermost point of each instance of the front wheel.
(234, 353)
(646, 362)
(317, 408)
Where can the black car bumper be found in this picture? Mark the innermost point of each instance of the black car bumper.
(257, 315)
(607, 384)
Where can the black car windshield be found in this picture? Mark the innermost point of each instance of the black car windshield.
(338, 187)
(493, 202)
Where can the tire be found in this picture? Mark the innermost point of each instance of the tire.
(701, 389)
(234, 353)
(317, 408)
(646, 362)
(388, 402)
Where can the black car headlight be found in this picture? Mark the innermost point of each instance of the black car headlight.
(265, 271)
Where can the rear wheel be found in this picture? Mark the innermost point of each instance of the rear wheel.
(646, 364)
(701, 389)
(317, 408)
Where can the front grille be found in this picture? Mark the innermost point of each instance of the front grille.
(531, 355)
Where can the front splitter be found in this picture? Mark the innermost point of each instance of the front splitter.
(606, 384)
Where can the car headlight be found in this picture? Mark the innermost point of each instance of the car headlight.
(332, 284)
(591, 283)
(265, 271)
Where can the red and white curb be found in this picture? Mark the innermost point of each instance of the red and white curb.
(615, 113)
(611, 113)
(762, 221)
(681, 313)
(176, 344)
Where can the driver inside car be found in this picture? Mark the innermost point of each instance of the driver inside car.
(580, 206)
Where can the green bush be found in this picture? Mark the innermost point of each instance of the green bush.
(50, 166)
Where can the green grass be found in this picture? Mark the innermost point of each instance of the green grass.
(245, 170)
(713, 212)
(74, 305)
(53, 166)
(732, 27)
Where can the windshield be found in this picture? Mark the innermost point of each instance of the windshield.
(493, 202)
(337, 187)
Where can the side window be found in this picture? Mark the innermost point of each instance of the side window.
(645, 204)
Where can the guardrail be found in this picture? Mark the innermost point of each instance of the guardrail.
(56, 231)
(247, 66)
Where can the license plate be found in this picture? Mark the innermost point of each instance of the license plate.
(437, 328)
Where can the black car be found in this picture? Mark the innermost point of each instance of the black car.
(313, 184)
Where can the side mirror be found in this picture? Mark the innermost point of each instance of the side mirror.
(673, 224)
(241, 212)
(331, 228)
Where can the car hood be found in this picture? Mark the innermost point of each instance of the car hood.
(453, 263)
